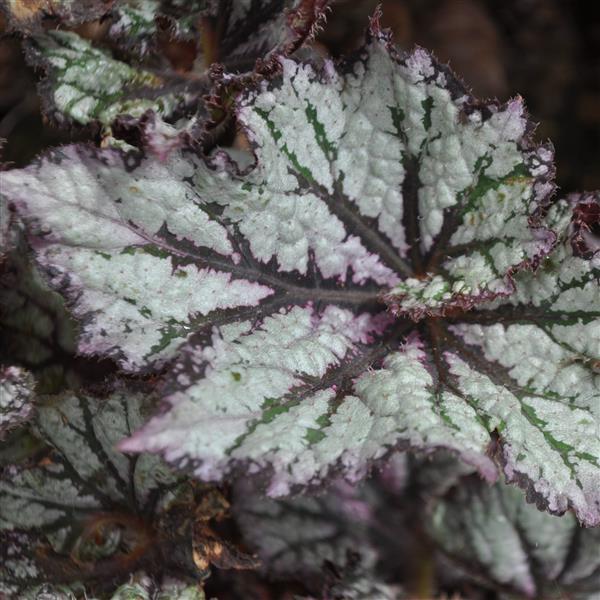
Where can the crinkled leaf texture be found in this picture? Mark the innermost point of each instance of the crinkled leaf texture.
(86, 84)
(85, 511)
(16, 398)
(492, 534)
(377, 178)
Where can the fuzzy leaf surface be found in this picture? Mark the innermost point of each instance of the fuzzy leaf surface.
(494, 535)
(375, 178)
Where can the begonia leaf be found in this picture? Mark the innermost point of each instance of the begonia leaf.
(375, 180)
(84, 512)
(331, 543)
(528, 365)
(257, 29)
(234, 33)
(144, 587)
(134, 24)
(36, 328)
(495, 536)
(16, 398)
(140, 587)
(364, 586)
(8, 235)
(86, 84)
(296, 538)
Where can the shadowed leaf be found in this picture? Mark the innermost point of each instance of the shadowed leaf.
(493, 534)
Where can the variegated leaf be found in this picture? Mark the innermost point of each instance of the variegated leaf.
(85, 511)
(528, 366)
(134, 24)
(351, 420)
(143, 587)
(51, 592)
(297, 538)
(334, 544)
(258, 29)
(36, 329)
(494, 536)
(140, 587)
(8, 231)
(362, 586)
(16, 398)
(85, 84)
(374, 174)
(20, 573)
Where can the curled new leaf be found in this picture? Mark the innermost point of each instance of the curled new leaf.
(86, 84)
(234, 33)
(375, 179)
